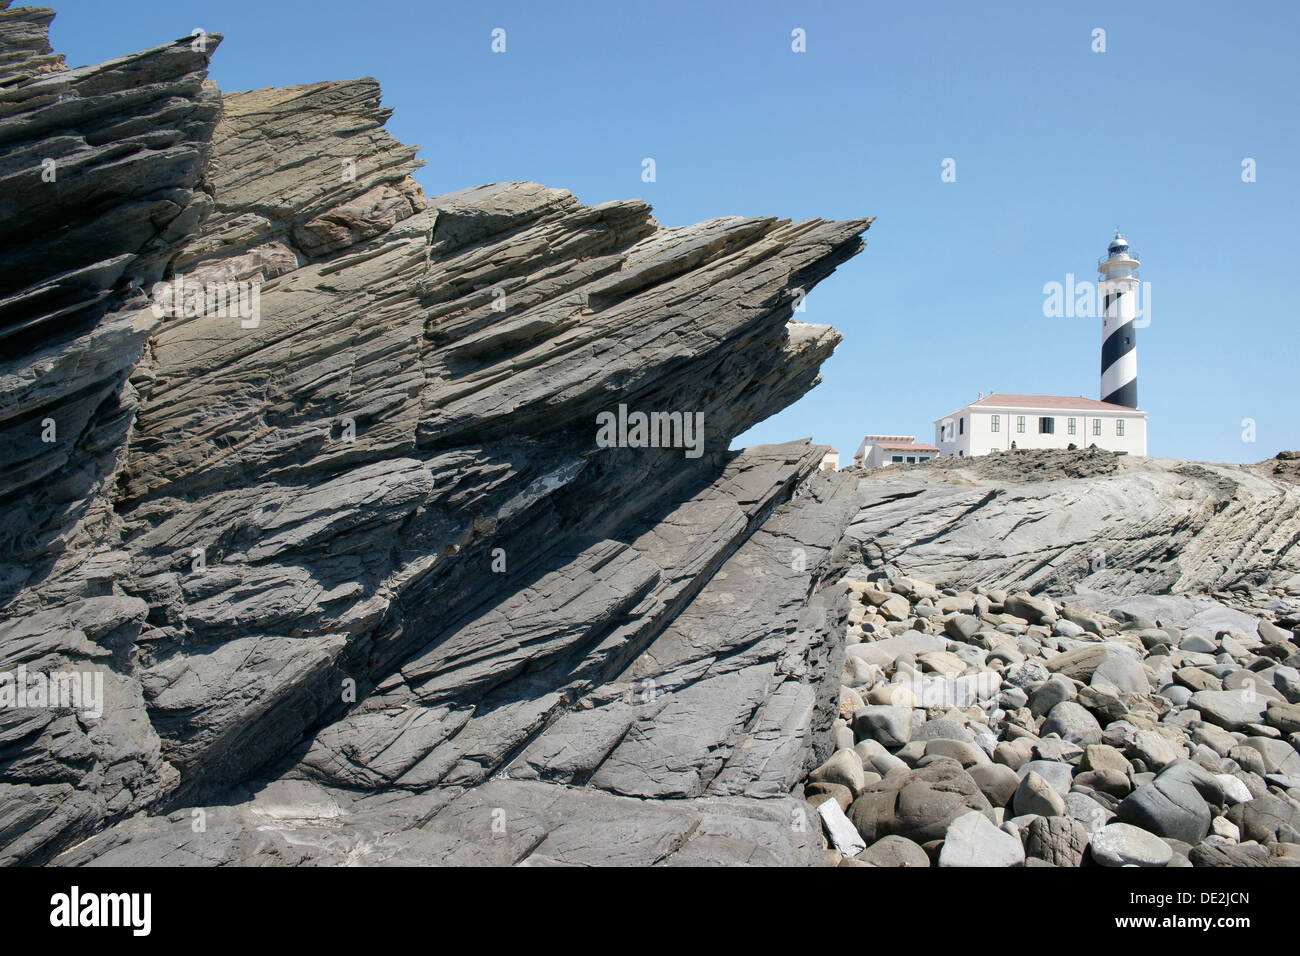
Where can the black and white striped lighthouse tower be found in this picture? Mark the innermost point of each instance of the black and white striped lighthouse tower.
(1118, 289)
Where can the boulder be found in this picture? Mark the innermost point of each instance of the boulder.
(1251, 854)
(1113, 782)
(1104, 757)
(895, 851)
(942, 728)
(1155, 750)
(1271, 634)
(1285, 717)
(962, 627)
(1080, 663)
(1168, 807)
(1036, 796)
(814, 793)
(1196, 679)
(1276, 756)
(1035, 610)
(1057, 774)
(998, 783)
(1058, 840)
(974, 840)
(1121, 844)
(1103, 702)
(917, 804)
(1073, 723)
(843, 768)
(895, 608)
(966, 754)
(839, 831)
(1267, 819)
(1125, 674)
(890, 726)
(1230, 709)
(1050, 693)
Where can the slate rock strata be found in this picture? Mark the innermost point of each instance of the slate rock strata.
(278, 533)
(1061, 521)
(101, 181)
(363, 588)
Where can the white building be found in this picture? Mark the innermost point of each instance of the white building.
(997, 422)
(877, 450)
(830, 461)
(1115, 423)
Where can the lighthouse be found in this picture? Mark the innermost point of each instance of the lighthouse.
(1118, 289)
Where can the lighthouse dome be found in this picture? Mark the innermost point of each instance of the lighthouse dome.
(1118, 244)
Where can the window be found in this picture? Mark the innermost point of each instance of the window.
(995, 423)
(1096, 426)
(1020, 424)
(1069, 425)
(911, 459)
(897, 458)
(961, 425)
(1047, 426)
(1119, 426)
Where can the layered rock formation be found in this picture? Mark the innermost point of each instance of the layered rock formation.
(101, 174)
(1092, 520)
(320, 494)
(308, 471)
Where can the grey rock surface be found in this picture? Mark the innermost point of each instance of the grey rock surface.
(102, 181)
(895, 851)
(1059, 840)
(917, 804)
(1036, 521)
(325, 502)
(973, 840)
(1121, 844)
(308, 474)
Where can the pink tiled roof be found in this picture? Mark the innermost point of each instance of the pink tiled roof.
(906, 446)
(1001, 400)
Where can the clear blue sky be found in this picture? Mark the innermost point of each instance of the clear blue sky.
(1054, 146)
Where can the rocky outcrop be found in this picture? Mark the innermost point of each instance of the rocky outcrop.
(25, 50)
(326, 502)
(640, 735)
(1090, 520)
(101, 174)
(378, 527)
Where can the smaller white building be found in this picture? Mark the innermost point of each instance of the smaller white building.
(831, 461)
(877, 450)
(997, 422)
